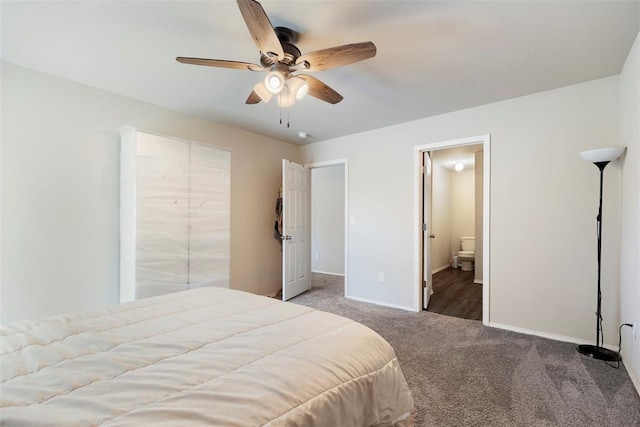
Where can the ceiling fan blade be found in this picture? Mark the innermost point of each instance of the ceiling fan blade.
(320, 90)
(260, 28)
(258, 94)
(237, 65)
(253, 98)
(332, 57)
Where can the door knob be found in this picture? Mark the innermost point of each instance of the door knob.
(432, 236)
(285, 237)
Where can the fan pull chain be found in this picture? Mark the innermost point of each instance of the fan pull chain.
(286, 108)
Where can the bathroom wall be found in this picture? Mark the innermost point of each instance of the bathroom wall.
(462, 206)
(441, 217)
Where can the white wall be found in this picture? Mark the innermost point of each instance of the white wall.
(542, 204)
(441, 217)
(327, 219)
(60, 193)
(630, 222)
(463, 206)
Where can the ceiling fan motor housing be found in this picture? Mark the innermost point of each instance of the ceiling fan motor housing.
(291, 52)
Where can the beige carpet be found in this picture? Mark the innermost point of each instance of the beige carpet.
(464, 374)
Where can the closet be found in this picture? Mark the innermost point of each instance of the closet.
(174, 215)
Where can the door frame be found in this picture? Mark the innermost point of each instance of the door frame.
(328, 163)
(427, 225)
(418, 255)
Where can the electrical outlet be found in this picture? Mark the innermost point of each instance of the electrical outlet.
(380, 277)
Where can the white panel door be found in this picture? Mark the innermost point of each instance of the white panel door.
(296, 239)
(426, 231)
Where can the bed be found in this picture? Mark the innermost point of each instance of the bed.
(205, 356)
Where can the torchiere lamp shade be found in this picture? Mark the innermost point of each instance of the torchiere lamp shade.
(606, 154)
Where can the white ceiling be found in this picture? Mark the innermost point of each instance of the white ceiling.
(433, 57)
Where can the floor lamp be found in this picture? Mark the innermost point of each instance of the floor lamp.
(601, 158)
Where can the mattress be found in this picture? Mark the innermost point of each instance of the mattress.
(206, 356)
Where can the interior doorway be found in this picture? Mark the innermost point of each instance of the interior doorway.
(427, 232)
(454, 209)
(329, 219)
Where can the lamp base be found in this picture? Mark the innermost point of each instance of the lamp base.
(599, 353)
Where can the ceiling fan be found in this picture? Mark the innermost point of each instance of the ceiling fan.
(283, 60)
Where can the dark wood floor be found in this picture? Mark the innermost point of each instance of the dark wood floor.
(455, 294)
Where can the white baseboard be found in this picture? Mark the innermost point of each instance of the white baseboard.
(327, 272)
(384, 304)
(546, 335)
(439, 269)
(477, 281)
(632, 374)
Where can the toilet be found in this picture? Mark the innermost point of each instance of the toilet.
(467, 255)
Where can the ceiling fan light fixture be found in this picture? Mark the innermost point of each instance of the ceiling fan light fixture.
(286, 98)
(298, 87)
(274, 82)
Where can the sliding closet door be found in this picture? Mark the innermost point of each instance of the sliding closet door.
(161, 210)
(175, 215)
(208, 242)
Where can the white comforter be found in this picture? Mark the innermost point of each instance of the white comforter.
(201, 357)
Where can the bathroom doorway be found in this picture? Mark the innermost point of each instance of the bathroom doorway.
(447, 205)
(456, 218)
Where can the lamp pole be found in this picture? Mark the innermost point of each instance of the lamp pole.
(601, 166)
(598, 351)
